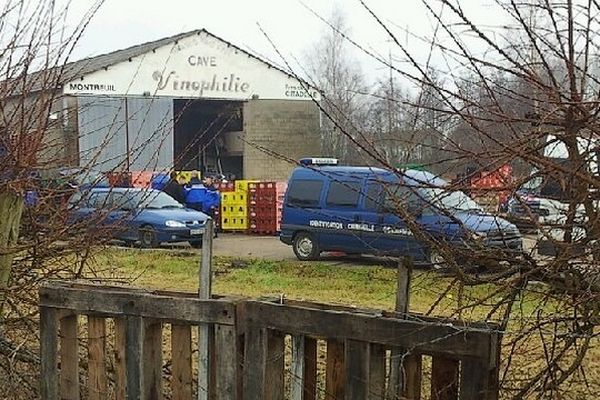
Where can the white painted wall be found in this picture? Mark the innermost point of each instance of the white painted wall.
(198, 66)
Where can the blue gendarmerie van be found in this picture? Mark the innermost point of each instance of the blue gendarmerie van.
(364, 210)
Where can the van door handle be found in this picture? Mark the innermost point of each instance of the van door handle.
(356, 218)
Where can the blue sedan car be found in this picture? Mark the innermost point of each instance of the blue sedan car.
(147, 216)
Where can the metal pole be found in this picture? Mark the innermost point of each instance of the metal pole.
(205, 331)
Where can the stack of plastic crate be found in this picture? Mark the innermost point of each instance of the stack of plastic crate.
(141, 179)
(222, 187)
(280, 187)
(234, 207)
(262, 207)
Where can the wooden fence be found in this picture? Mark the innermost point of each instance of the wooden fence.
(249, 344)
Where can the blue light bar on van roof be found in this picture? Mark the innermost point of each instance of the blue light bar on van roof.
(318, 161)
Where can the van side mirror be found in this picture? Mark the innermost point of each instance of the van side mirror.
(414, 209)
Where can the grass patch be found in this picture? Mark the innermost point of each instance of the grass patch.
(364, 286)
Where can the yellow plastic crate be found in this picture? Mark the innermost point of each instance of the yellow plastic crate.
(242, 184)
(234, 223)
(234, 209)
(231, 198)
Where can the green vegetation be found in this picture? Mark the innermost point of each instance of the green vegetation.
(349, 284)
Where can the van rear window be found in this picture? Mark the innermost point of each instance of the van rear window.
(343, 194)
(304, 193)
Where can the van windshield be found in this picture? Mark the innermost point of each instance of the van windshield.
(450, 201)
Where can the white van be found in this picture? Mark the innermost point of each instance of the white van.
(544, 199)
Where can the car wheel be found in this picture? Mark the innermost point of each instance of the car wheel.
(147, 237)
(305, 247)
(197, 244)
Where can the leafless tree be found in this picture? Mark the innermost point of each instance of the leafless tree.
(507, 94)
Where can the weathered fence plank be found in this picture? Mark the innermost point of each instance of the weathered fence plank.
(133, 350)
(116, 303)
(304, 368)
(119, 355)
(275, 366)
(334, 370)
(411, 373)
(254, 359)
(377, 361)
(225, 367)
(430, 337)
(97, 379)
(474, 379)
(181, 350)
(69, 358)
(151, 360)
(49, 353)
(357, 370)
(444, 378)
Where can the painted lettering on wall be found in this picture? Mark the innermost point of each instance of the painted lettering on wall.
(228, 84)
(299, 91)
(202, 61)
(92, 86)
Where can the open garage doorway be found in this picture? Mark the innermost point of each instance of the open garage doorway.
(207, 137)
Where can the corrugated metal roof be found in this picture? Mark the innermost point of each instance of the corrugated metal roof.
(78, 69)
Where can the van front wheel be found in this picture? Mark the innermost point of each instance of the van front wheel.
(305, 247)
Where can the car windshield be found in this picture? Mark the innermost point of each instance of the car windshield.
(149, 199)
(93, 179)
(449, 200)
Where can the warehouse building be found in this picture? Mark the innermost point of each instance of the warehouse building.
(190, 102)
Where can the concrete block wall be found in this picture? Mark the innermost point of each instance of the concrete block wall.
(276, 130)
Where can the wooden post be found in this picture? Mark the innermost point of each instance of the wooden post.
(376, 371)
(334, 375)
(181, 350)
(205, 331)
(405, 369)
(444, 378)
(275, 366)
(225, 366)
(304, 368)
(69, 358)
(49, 353)
(133, 350)
(98, 381)
(357, 370)
(152, 360)
(119, 354)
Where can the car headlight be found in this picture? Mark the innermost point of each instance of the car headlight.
(174, 224)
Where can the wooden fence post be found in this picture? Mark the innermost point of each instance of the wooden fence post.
(98, 380)
(444, 378)
(205, 331)
(335, 379)
(181, 350)
(119, 354)
(133, 350)
(151, 359)
(405, 369)
(49, 353)
(69, 358)
(304, 368)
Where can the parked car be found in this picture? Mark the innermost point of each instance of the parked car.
(147, 216)
(354, 210)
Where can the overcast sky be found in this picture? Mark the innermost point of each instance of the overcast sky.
(289, 23)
